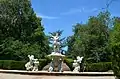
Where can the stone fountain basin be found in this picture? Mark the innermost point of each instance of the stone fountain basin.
(56, 55)
(66, 73)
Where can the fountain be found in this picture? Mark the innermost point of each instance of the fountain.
(56, 64)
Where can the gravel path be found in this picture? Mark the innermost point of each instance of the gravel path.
(17, 76)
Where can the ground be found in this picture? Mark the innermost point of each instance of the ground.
(17, 76)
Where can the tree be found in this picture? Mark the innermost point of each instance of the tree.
(98, 36)
(18, 19)
(19, 22)
(77, 42)
(91, 39)
(115, 46)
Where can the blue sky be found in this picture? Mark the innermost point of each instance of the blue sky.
(63, 14)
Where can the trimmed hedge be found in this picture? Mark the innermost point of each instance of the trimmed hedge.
(11, 64)
(99, 67)
(43, 63)
(69, 63)
(92, 67)
(19, 65)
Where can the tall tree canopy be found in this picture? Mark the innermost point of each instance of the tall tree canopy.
(19, 25)
(91, 39)
(115, 46)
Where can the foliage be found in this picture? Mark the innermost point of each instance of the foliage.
(18, 19)
(16, 50)
(115, 46)
(92, 67)
(19, 65)
(21, 32)
(91, 39)
(12, 65)
(69, 63)
(99, 67)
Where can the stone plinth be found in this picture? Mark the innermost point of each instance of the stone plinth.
(58, 73)
(56, 55)
(57, 63)
(64, 66)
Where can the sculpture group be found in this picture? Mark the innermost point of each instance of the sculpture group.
(77, 63)
(33, 64)
(57, 58)
(56, 43)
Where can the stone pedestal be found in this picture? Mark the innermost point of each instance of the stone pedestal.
(64, 67)
(56, 63)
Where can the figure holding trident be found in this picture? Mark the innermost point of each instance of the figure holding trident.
(56, 43)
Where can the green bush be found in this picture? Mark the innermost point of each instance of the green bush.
(99, 67)
(1, 64)
(20, 65)
(7, 64)
(43, 63)
(92, 67)
(69, 63)
(11, 64)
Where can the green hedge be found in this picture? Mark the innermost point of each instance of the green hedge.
(43, 63)
(20, 65)
(69, 63)
(11, 64)
(99, 67)
(92, 67)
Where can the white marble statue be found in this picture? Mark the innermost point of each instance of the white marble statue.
(29, 65)
(60, 65)
(50, 69)
(57, 57)
(36, 64)
(56, 43)
(79, 59)
(32, 65)
(76, 64)
(51, 66)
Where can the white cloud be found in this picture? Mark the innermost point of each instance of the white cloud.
(115, 14)
(90, 10)
(46, 17)
(81, 10)
(71, 11)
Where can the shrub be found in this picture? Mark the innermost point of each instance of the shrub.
(69, 63)
(1, 64)
(43, 63)
(92, 67)
(7, 64)
(11, 64)
(116, 66)
(99, 67)
(20, 65)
